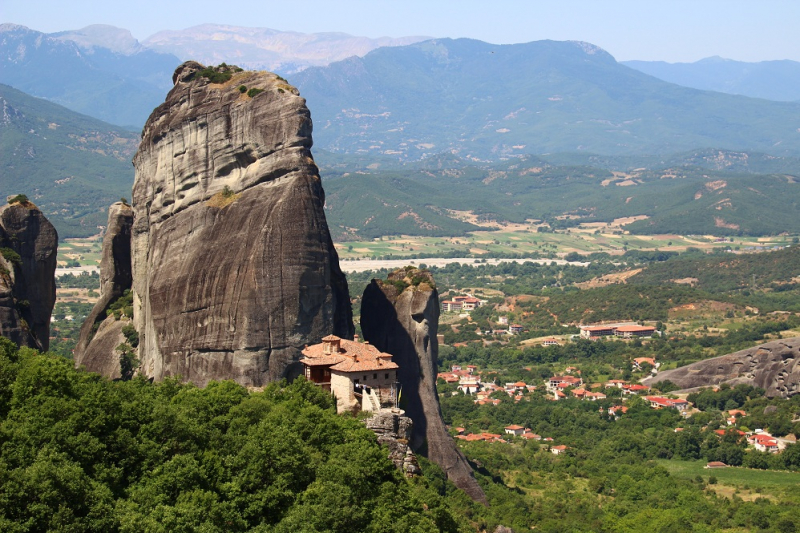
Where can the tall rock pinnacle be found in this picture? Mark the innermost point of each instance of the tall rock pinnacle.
(234, 270)
(100, 335)
(27, 267)
(401, 316)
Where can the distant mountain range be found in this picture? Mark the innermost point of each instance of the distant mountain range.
(771, 80)
(72, 166)
(485, 101)
(285, 52)
(116, 81)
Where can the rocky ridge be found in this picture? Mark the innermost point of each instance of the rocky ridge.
(772, 366)
(28, 242)
(401, 316)
(234, 270)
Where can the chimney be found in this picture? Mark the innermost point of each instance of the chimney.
(355, 338)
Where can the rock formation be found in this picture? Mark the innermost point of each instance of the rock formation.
(100, 335)
(401, 316)
(27, 273)
(394, 431)
(774, 367)
(234, 270)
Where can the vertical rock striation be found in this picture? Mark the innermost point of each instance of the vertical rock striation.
(27, 274)
(234, 270)
(100, 335)
(401, 317)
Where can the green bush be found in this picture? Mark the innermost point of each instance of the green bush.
(242, 89)
(21, 198)
(11, 255)
(122, 306)
(252, 92)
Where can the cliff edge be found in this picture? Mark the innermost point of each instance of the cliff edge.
(234, 270)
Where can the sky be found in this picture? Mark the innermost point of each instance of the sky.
(664, 30)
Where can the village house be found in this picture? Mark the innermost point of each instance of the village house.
(567, 381)
(469, 385)
(657, 402)
(764, 442)
(514, 329)
(515, 430)
(618, 383)
(617, 410)
(625, 331)
(550, 342)
(529, 435)
(450, 305)
(634, 389)
(639, 361)
(462, 303)
(558, 450)
(360, 376)
(630, 331)
(595, 332)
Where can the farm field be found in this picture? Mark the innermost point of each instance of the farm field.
(759, 481)
(525, 240)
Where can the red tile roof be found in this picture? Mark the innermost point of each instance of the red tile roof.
(350, 356)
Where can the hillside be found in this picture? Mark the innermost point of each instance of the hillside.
(771, 80)
(70, 165)
(418, 198)
(489, 101)
(119, 85)
(82, 453)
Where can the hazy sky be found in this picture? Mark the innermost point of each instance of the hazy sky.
(669, 30)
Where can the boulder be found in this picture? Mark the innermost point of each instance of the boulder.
(400, 316)
(234, 270)
(27, 274)
(772, 366)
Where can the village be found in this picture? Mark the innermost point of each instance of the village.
(482, 387)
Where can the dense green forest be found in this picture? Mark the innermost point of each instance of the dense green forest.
(81, 453)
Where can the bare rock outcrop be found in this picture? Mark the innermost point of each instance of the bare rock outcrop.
(401, 316)
(234, 270)
(27, 274)
(773, 366)
(393, 430)
(92, 351)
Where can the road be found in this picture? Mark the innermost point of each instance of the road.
(370, 264)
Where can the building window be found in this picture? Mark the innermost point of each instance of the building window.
(365, 378)
(356, 382)
(374, 376)
(386, 376)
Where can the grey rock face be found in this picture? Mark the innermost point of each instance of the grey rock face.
(394, 432)
(772, 366)
(92, 351)
(101, 355)
(27, 285)
(234, 270)
(405, 324)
